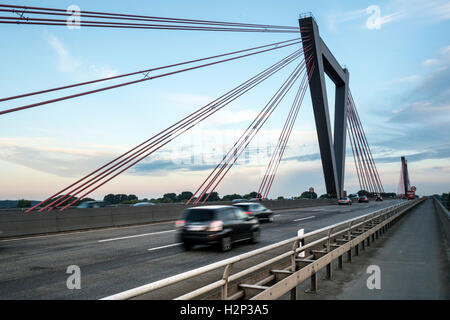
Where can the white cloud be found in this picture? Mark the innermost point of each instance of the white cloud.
(430, 62)
(446, 50)
(65, 62)
(103, 72)
(75, 67)
(407, 79)
(439, 9)
(44, 155)
(188, 101)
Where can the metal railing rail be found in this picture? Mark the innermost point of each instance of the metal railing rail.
(444, 217)
(295, 278)
(350, 224)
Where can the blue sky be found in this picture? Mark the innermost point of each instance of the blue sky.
(397, 52)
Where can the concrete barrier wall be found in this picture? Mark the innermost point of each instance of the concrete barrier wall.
(444, 217)
(14, 223)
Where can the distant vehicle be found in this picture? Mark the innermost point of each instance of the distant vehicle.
(363, 199)
(219, 225)
(93, 204)
(239, 200)
(379, 198)
(257, 210)
(143, 204)
(345, 200)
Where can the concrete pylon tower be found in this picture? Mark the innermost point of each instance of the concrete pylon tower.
(332, 148)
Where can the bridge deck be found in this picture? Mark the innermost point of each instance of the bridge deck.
(414, 263)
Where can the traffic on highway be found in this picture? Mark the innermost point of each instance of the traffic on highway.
(117, 259)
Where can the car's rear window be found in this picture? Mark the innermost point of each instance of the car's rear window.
(244, 207)
(199, 215)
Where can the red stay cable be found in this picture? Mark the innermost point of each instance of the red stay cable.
(270, 68)
(140, 72)
(273, 103)
(137, 81)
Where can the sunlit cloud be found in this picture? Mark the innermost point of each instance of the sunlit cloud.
(74, 66)
(66, 63)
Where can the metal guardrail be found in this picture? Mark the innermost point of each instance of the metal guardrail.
(374, 221)
(444, 217)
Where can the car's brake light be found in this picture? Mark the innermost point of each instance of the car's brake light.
(248, 212)
(215, 226)
(180, 224)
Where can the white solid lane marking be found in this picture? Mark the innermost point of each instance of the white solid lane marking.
(277, 215)
(305, 218)
(170, 245)
(136, 236)
(68, 233)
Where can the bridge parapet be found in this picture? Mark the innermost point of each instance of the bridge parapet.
(444, 217)
(16, 223)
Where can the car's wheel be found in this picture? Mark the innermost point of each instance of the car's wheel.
(225, 244)
(187, 246)
(255, 236)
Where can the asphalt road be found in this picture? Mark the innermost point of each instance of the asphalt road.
(118, 259)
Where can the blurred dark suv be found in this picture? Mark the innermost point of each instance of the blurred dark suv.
(219, 225)
(256, 209)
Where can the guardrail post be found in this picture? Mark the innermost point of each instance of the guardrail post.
(313, 284)
(300, 234)
(363, 247)
(349, 252)
(294, 266)
(330, 265)
(226, 275)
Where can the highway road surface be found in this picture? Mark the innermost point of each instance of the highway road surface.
(118, 259)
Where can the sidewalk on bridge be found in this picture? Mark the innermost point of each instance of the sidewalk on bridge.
(414, 261)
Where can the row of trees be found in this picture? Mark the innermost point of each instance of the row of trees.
(120, 198)
(186, 195)
(444, 198)
(22, 203)
(175, 198)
